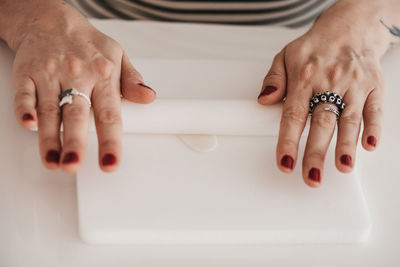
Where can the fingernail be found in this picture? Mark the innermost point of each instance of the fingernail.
(288, 162)
(109, 159)
(70, 157)
(346, 160)
(27, 117)
(148, 87)
(315, 175)
(52, 156)
(268, 90)
(371, 140)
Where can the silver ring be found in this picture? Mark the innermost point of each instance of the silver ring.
(333, 110)
(66, 97)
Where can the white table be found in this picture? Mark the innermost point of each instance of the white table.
(38, 217)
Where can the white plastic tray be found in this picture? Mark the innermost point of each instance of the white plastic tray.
(164, 192)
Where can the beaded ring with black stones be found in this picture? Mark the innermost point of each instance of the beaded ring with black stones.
(327, 98)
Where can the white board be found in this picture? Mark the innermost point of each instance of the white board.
(164, 192)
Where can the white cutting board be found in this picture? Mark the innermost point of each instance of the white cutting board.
(164, 192)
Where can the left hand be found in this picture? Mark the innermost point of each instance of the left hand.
(338, 59)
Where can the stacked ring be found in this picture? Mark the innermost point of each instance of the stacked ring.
(66, 97)
(327, 98)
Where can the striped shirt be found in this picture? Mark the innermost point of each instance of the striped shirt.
(291, 13)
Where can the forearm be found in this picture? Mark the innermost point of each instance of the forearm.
(368, 23)
(17, 18)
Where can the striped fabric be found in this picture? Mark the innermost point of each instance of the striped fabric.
(291, 13)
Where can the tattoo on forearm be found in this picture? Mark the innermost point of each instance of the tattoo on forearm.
(393, 29)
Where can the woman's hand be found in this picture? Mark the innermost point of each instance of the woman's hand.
(61, 50)
(339, 54)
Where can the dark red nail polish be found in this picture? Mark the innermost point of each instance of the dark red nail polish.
(27, 117)
(268, 90)
(52, 156)
(109, 159)
(371, 140)
(346, 160)
(70, 157)
(146, 86)
(288, 162)
(315, 175)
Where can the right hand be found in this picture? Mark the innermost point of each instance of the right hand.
(65, 51)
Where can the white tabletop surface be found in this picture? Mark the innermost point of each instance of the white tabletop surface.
(38, 216)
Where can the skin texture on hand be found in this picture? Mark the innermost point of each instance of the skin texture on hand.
(56, 53)
(340, 54)
(59, 50)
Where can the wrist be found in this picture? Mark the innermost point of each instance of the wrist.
(22, 18)
(357, 23)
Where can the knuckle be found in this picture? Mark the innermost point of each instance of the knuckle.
(351, 117)
(273, 73)
(324, 119)
(47, 141)
(75, 111)
(357, 74)
(306, 72)
(295, 113)
(49, 65)
(373, 109)
(23, 94)
(345, 144)
(286, 144)
(75, 66)
(274, 77)
(109, 144)
(73, 143)
(108, 92)
(334, 73)
(22, 100)
(104, 67)
(48, 109)
(108, 116)
(315, 154)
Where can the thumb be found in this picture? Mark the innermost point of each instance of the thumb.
(132, 86)
(274, 85)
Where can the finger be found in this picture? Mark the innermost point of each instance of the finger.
(293, 121)
(274, 85)
(132, 86)
(373, 116)
(75, 117)
(322, 127)
(48, 113)
(25, 101)
(349, 131)
(107, 114)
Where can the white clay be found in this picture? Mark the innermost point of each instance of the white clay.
(198, 142)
